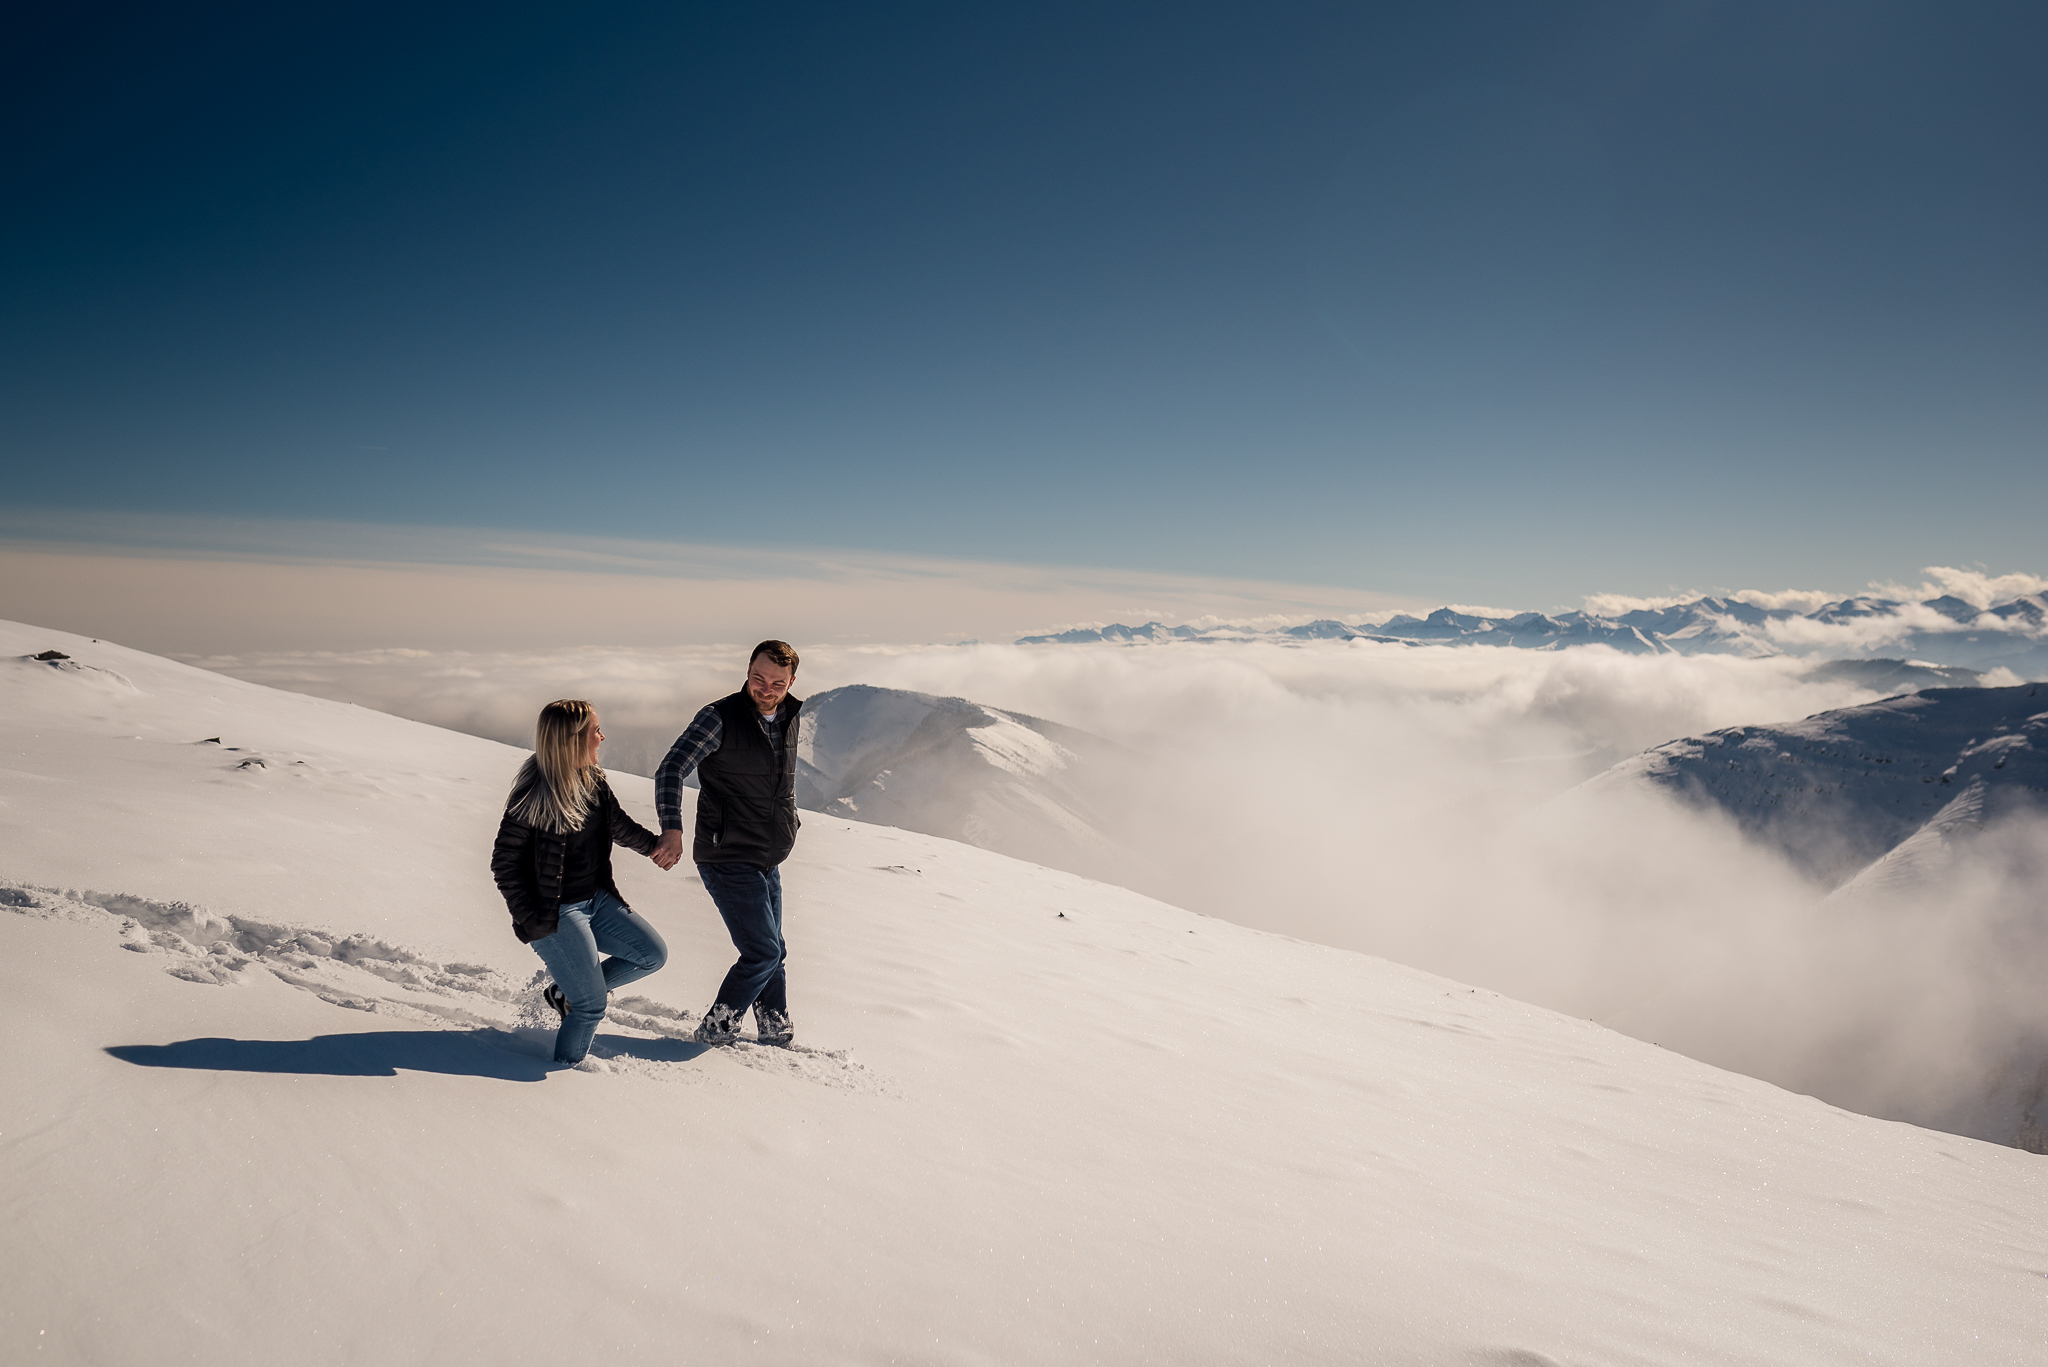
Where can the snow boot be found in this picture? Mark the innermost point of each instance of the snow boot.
(721, 1025)
(773, 1027)
(552, 995)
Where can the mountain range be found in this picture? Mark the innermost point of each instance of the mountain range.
(1942, 631)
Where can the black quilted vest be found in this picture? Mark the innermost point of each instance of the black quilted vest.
(746, 809)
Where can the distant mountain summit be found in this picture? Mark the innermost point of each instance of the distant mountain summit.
(1943, 631)
(949, 767)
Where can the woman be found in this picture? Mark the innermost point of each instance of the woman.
(553, 862)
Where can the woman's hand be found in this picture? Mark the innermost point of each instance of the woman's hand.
(669, 851)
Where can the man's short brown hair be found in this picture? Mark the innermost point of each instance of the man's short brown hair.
(778, 653)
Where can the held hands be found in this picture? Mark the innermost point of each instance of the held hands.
(669, 852)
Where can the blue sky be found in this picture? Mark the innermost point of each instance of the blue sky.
(1485, 303)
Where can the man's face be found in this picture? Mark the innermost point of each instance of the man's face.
(767, 681)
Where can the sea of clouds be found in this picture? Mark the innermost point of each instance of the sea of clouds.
(1409, 802)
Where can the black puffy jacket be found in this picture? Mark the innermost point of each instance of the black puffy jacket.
(527, 862)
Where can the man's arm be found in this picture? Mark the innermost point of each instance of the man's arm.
(705, 735)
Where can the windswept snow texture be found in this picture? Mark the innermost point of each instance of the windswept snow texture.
(1930, 639)
(954, 768)
(1841, 790)
(274, 1093)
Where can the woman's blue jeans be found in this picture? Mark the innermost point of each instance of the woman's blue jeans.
(602, 925)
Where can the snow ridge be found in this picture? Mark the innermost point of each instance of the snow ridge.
(1843, 789)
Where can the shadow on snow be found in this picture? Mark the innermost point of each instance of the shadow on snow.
(383, 1053)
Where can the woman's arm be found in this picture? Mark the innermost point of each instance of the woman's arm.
(512, 868)
(625, 830)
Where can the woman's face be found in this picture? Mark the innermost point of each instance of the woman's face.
(593, 737)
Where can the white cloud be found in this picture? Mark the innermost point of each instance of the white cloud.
(1972, 586)
(1883, 633)
(1795, 600)
(1614, 604)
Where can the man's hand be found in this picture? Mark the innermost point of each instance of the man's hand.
(669, 852)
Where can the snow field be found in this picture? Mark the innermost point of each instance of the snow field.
(307, 1117)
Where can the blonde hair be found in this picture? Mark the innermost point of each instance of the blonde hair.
(555, 787)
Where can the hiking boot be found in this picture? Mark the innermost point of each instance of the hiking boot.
(721, 1025)
(773, 1027)
(552, 995)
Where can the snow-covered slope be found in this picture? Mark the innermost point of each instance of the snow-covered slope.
(1840, 790)
(1927, 862)
(1034, 1119)
(949, 767)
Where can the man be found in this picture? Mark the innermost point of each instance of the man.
(744, 751)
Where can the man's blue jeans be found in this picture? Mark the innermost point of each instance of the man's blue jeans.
(604, 925)
(750, 900)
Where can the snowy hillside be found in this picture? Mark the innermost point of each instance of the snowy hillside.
(1839, 791)
(273, 1095)
(1925, 642)
(949, 767)
(1920, 826)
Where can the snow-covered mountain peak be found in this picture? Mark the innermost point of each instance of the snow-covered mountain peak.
(1953, 608)
(947, 766)
(1850, 609)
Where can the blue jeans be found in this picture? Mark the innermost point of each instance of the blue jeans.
(602, 924)
(750, 900)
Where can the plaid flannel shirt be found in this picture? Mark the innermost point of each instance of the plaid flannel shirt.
(705, 734)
